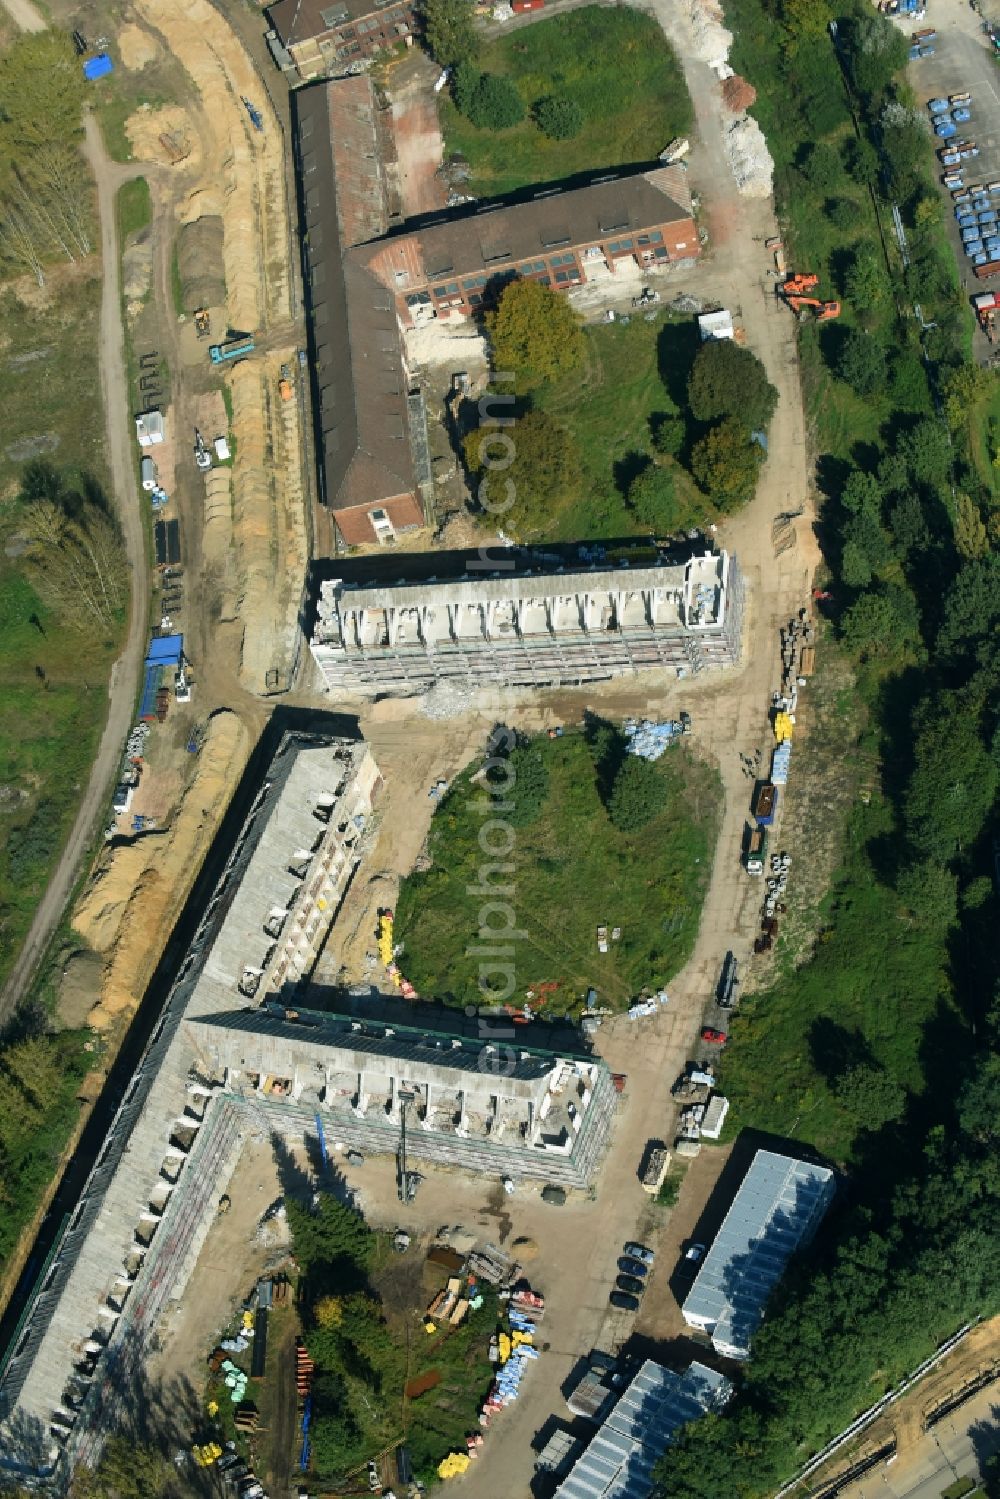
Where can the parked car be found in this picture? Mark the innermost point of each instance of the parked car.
(623, 1301)
(717, 1038)
(694, 1252)
(961, 115)
(555, 1195)
(945, 130)
(629, 1266)
(630, 1284)
(937, 106)
(639, 1252)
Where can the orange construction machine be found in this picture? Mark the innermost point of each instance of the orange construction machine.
(822, 311)
(795, 286)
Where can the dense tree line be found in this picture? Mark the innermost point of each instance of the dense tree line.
(75, 557)
(45, 211)
(909, 531)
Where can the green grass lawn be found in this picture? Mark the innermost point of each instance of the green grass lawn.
(614, 63)
(135, 208)
(573, 871)
(633, 373)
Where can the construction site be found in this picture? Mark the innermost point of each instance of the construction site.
(536, 629)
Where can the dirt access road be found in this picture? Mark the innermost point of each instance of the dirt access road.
(108, 177)
(24, 15)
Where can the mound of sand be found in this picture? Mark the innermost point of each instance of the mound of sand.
(131, 904)
(138, 49)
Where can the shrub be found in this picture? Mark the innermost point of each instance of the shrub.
(637, 796)
(491, 102)
(861, 361)
(842, 213)
(652, 499)
(558, 118)
(821, 168)
(668, 434)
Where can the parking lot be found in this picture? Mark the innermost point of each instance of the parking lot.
(963, 63)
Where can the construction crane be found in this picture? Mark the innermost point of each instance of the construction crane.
(407, 1181)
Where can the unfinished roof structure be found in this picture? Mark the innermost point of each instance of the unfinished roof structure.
(635, 1433)
(530, 629)
(777, 1209)
(489, 1106)
(232, 1057)
(369, 427)
(134, 1237)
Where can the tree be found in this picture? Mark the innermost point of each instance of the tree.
(652, 499)
(637, 796)
(558, 117)
(727, 380)
(449, 32)
(668, 434)
(979, 1103)
(971, 612)
(963, 388)
(866, 284)
(883, 623)
(861, 160)
(855, 568)
(842, 213)
(950, 793)
(527, 487)
(930, 893)
(726, 463)
(332, 1234)
(928, 453)
(862, 496)
(821, 167)
(490, 102)
(127, 1470)
(862, 361)
(971, 540)
(523, 788)
(536, 335)
(876, 52)
(871, 1095)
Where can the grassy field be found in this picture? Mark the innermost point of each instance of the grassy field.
(54, 700)
(634, 372)
(573, 871)
(134, 207)
(614, 63)
(49, 391)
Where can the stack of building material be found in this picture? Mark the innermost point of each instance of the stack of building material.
(649, 740)
(780, 762)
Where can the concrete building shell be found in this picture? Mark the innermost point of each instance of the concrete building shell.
(530, 630)
(216, 1074)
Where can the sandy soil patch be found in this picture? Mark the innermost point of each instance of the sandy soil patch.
(137, 48)
(130, 907)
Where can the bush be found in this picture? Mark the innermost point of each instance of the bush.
(558, 118)
(821, 168)
(668, 434)
(842, 213)
(862, 361)
(871, 1094)
(652, 499)
(637, 796)
(488, 100)
(523, 790)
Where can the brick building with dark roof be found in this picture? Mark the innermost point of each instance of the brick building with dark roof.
(323, 40)
(365, 282)
(562, 239)
(370, 426)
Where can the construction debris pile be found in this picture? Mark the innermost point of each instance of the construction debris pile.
(749, 158)
(649, 740)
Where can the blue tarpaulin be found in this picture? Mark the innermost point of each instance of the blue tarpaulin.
(98, 67)
(165, 650)
(151, 682)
